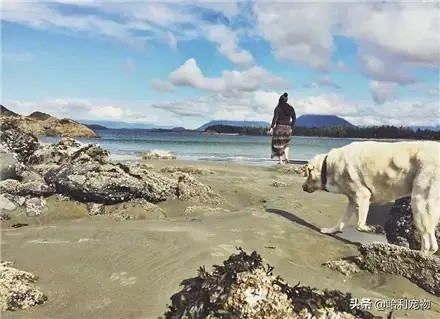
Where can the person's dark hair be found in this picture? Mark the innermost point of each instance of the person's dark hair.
(283, 98)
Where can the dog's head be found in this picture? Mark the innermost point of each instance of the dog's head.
(313, 174)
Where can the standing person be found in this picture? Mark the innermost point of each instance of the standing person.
(284, 119)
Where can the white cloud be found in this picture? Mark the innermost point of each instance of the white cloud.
(171, 40)
(162, 86)
(323, 82)
(383, 91)
(298, 32)
(190, 75)
(383, 69)
(82, 109)
(41, 15)
(391, 36)
(410, 113)
(426, 89)
(342, 67)
(331, 104)
(134, 23)
(227, 42)
(407, 31)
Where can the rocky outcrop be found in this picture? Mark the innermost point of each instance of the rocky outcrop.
(67, 152)
(108, 183)
(39, 124)
(399, 227)
(86, 174)
(245, 288)
(9, 166)
(380, 258)
(158, 154)
(18, 142)
(40, 116)
(5, 112)
(17, 289)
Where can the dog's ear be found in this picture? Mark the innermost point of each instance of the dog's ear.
(308, 169)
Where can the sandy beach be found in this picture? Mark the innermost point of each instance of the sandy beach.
(102, 267)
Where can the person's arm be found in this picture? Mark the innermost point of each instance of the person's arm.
(275, 118)
(293, 117)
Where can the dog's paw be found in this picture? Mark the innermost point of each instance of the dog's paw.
(328, 230)
(366, 229)
(378, 229)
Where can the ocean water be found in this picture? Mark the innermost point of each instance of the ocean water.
(129, 144)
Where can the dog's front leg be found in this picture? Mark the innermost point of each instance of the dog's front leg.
(362, 208)
(345, 218)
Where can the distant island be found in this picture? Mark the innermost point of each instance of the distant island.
(96, 127)
(318, 120)
(372, 132)
(118, 125)
(233, 123)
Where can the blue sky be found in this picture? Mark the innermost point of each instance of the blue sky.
(185, 63)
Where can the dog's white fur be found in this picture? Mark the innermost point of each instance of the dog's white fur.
(380, 172)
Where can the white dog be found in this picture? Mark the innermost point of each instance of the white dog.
(378, 172)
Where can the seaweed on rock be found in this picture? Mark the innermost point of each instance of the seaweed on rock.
(243, 287)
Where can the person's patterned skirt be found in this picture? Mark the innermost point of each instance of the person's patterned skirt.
(282, 134)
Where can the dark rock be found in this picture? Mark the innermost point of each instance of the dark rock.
(6, 112)
(109, 183)
(40, 116)
(18, 142)
(381, 258)
(400, 229)
(4, 217)
(19, 225)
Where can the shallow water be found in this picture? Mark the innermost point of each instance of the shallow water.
(128, 144)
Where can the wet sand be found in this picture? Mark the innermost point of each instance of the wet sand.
(97, 267)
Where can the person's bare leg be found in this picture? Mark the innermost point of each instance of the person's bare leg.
(286, 155)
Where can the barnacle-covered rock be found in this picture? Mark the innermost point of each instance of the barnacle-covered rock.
(243, 288)
(395, 260)
(189, 189)
(17, 289)
(159, 154)
(399, 227)
(109, 183)
(17, 141)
